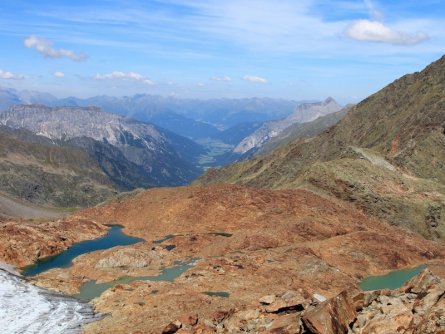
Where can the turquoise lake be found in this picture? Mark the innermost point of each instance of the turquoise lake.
(92, 290)
(114, 237)
(393, 280)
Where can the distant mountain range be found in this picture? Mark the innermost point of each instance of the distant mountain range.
(192, 118)
(241, 124)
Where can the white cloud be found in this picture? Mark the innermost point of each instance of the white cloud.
(10, 75)
(117, 75)
(223, 78)
(374, 31)
(59, 74)
(254, 78)
(200, 84)
(45, 48)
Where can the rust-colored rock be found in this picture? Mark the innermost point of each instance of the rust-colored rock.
(332, 316)
(25, 242)
(172, 328)
(287, 324)
(189, 319)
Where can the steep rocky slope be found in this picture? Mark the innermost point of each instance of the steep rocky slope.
(304, 113)
(387, 156)
(34, 169)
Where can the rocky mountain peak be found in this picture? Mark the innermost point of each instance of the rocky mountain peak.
(71, 122)
(329, 100)
(304, 113)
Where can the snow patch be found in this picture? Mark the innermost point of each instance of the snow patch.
(25, 308)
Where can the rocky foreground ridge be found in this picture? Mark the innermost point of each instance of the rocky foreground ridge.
(416, 308)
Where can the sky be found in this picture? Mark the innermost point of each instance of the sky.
(291, 49)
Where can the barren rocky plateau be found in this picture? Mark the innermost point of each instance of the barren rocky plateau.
(268, 256)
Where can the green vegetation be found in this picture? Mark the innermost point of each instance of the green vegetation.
(215, 149)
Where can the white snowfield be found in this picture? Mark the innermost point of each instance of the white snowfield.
(25, 308)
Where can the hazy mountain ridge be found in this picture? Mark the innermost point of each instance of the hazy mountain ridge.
(193, 118)
(303, 130)
(209, 114)
(303, 113)
(131, 153)
(10, 97)
(386, 155)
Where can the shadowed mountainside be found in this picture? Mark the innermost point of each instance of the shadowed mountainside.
(34, 169)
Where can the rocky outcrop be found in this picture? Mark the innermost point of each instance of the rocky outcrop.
(415, 308)
(332, 316)
(25, 242)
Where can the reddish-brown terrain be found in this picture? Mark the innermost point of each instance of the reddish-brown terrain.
(25, 242)
(251, 243)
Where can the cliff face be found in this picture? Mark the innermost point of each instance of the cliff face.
(387, 155)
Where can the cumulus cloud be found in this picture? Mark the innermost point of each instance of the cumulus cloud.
(223, 78)
(59, 74)
(117, 75)
(254, 78)
(45, 48)
(375, 31)
(10, 75)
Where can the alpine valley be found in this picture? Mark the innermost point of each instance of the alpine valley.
(80, 155)
(316, 199)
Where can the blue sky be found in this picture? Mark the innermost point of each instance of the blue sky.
(293, 49)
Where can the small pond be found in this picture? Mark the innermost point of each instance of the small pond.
(167, 237)
(222, 294)
(393, 280)
(92, 290)
(221, 234)
(114, 237)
